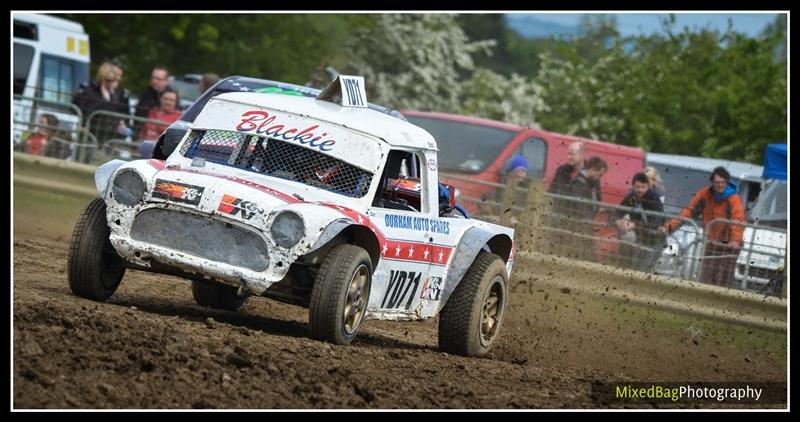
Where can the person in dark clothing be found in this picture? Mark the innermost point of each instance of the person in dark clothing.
(576, 219)
(586, 184)
(566, 173)
(101, 94)
(149, 98)
(642, 226)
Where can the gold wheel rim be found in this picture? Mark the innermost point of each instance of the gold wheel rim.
(356, 299)
(492, 313)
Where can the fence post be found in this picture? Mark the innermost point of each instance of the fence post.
(530, 219)
(507, 201)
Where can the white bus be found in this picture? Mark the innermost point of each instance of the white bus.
(51, 57)
(50, 60)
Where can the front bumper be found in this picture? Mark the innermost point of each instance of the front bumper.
(196, 242)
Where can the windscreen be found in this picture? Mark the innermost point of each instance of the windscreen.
(278, 158)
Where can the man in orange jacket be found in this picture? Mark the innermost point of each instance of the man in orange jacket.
(723, 241)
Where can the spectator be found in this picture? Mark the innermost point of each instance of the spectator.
(566, 173)
(644, 227)
(586, 185)
(60, 145)
(37, 141)
(574, 218)
(167, 113)
(656, 185)
(149, 98)
(517, 170)
(101, 94)
(723, 241)
(207, 81)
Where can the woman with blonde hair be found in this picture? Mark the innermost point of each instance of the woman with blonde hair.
(102, 94)
(655, 182)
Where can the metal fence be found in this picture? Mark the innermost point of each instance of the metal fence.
(117, 136)
(628, 237)
(60, 130)
(620, 236)
(545, 222)
(50, 128)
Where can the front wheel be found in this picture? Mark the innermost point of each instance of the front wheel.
(94, 267)
(340, 294)
(471, 319)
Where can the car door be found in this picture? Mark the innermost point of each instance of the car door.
(405, 227)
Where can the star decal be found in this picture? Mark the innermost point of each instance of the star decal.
(397, 251)
(385, 247)
(425, 254)
(411, 252)
(441, 254)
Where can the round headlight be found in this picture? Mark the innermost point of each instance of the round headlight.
(287, 229)
(128, 188)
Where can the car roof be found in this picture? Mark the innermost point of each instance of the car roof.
(737, 169)
(233, 84)
(393, 131)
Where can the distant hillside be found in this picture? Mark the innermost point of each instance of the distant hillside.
(532, 27)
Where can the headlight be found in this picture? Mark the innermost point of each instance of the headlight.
(128, 187)
(287, 229)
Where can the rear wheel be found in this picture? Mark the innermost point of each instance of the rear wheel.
(216, 295)
(94, 269)
(340, 294)
(471, 319)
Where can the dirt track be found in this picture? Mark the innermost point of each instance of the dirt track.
(151, 346)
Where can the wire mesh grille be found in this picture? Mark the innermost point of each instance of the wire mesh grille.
(278, 158)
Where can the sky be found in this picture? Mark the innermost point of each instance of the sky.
(647, 23)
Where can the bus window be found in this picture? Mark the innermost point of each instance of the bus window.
(25, 30)
(59, 76)
(23, 56)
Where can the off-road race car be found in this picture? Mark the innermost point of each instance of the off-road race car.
(319, 202)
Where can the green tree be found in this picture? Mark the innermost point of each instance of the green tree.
(704, 93)
(284, 47)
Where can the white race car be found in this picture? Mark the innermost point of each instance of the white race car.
(320, 202)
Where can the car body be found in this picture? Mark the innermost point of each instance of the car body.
(480, 150)
(279, 196)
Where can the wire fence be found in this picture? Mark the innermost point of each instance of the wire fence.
(629, 238)
(60, 130)
(550, 223)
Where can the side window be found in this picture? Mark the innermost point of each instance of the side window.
(23, 56)
(60, 77)
(535, 152)
(400, 185)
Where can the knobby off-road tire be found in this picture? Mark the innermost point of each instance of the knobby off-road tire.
(474, 313)
(340, 294)
(216, 295)
(94, 269)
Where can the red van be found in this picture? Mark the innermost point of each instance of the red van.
(479, 149)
